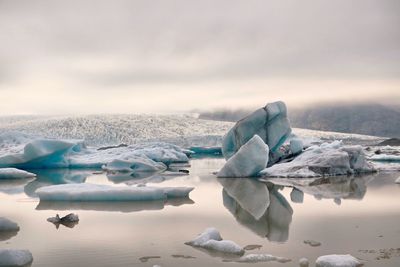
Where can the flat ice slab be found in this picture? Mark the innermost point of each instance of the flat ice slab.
(386, 158)
(254, 258)
(94, 192)
(15, 258)
(211, 239)
(13, 173)
(8, 225)
(337, 261)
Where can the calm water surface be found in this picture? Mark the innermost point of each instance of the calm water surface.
(359, 216)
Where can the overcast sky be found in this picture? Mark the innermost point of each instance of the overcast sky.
(168, 56)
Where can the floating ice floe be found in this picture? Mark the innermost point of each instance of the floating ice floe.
(254, 258)
(8, 229)
(13, 173)
(248, 161)
(325, 160)
(48, 153)
(211, 239)
(8, 225)
(270, 123)
(386, 158)
(337, 261)
(15, 258)
(135, 164)
(95, 192)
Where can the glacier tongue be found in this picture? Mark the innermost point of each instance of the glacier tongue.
(270, 123)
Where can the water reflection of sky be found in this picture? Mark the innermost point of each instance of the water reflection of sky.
(277, 217)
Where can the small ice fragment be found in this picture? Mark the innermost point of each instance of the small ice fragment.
(303, 262)
(13, 173)
(397, 181)
(206, 235)
(211, 239)
(248, 161)
(136, 164)
(224, 246)
(254, 258)
(337, 261)
(15, 258)
(296, 195)
(312, 243)
(69, 220)
(296, 146)
(252, 247)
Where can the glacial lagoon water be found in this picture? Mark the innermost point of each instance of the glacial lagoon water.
(358, 216)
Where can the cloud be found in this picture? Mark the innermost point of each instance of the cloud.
(103, 45)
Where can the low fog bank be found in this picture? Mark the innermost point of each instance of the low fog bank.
(366, 118)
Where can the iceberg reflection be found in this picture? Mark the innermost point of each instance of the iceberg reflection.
(113, 206)
(261, 209)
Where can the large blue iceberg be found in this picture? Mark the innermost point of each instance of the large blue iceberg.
(270, 123)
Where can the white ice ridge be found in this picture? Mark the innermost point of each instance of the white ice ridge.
(254, 258)
(248, 161)
(211, 239)
(8, 225)
(337, 261)
(13, 173)
(47, 153)
(324, 160)
(95, 192)
(15, 258)
(103, 130)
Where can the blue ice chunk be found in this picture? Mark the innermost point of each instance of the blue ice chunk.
(45, 153)
(270, 123)
(249, 160)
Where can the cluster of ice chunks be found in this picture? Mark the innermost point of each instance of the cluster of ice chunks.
(48, 153)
